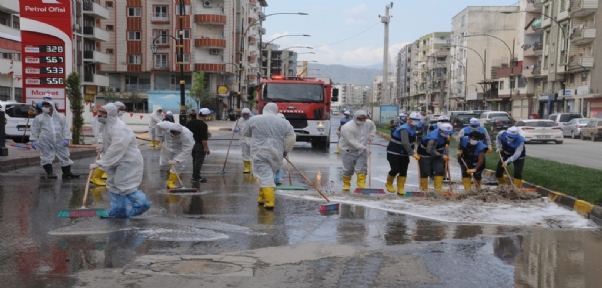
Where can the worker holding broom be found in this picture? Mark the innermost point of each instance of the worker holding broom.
(99, 174)
(271, 138)
(245, 142)
(433, 154)
(399, 150)
(155, 118)
(343, 121)
(511, 147)
(354, 148)
(280, 173)
(51, 132)
(471, 157)
(200, 134)
(475, 125)
(124, 165)
(178, 142)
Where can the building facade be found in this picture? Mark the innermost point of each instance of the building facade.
(11, 80)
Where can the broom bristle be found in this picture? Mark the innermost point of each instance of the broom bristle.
(83, 213)
(367, 191)
(183, 190)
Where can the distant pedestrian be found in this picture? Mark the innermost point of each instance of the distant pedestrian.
(155, 118)
(342, 122)
(192, 115)
(245, 142)
(200, 133)
(169, 117)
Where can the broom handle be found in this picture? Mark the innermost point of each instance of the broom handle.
(471, 174)
(505, 168)
(306, 179)
(88, 182)
(172, 166)
(25, 129)
(369, 165)
(290, 180)
(417, 161)
(448, 177)
(228, 153)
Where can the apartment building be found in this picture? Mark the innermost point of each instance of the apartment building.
(594, 102)
(11, 81)
(281, 62)
(402, 76)
(472, 56)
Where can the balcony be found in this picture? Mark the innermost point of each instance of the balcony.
(95, 79)
(96, 57)
(95, 10)
(214, 19)
(209, 67)
(252, 40)
(538, 49)
(161, 65)
(585, 61)
(536, 71)
(580, 8)
(10, 33)
(563, 15)
(536, 25)
(10, 6)
(209, 42)
(583, 36)
(160, 18)
(545, 22)
(137, 87)
(161, 87)
(96, 33)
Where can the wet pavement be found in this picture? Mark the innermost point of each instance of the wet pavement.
(220, 237)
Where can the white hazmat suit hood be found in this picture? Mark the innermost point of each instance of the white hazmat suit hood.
(270, 109)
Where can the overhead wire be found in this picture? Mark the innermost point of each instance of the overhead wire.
(358, 34)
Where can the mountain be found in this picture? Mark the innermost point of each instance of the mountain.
(345, 74)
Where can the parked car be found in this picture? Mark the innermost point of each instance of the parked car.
(540, 130)
(479, 112)
(562, 118)
(496, 124)
(461, 120)
(573, 128)
(16, 121)
(593, 130)
(486, 116)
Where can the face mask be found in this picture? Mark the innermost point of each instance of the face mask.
(46, 110)
(360, 123)
(509, 139)
(474, 128)
(102, 120)
(473, 142)
(120, 113)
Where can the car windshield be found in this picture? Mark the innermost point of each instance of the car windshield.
(584, 121)
(540, 124)
(493, 115)
(292, 92)
(568, 117)
(17, 110)
(466, 117)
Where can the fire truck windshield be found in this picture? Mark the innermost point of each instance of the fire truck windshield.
(293, 92)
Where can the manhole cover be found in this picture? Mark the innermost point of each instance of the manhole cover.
(195, 267)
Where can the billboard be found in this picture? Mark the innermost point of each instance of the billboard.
(46, 49)
(388, 113)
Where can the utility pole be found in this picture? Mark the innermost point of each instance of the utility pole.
(385, 86)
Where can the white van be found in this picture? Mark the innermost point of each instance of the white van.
(17, 126)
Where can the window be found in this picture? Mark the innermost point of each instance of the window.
(501, 85)
(134, 35)
(186, 9)
(164, 40)
(19, 95)
(4, 93)
(110, 28)
(562, 5)
(134, 11)
(134, 59)
(109, 4)
(186, 59)
(161, 61)
(160, 13)
(186, 33)
(571, 78)
(109, 51)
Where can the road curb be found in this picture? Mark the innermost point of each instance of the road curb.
(17, 163)
(588, 210)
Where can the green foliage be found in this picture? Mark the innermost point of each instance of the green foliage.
(76, 101)
(134, 98)
(199, 88)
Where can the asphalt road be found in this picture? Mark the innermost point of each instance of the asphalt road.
(573, 151)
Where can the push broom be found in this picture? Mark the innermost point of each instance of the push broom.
(324, 208)
(177, 190)
(83, 211)
(471, 174)
(229, 145)
(290, 182)
(421, 193)
(369, 191)
(510, 178)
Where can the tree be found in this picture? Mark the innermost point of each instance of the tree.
(76, 101)
(134, 98)
(199, 88)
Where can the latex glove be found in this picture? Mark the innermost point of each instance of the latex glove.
(498, 150)
(33, 144)
(416, 156)
(65, 143)
(99, 147)
(236, 129)
(507, 163)
(445, 158)
(172, 162)
(94, 166)
(338, 132)
(459, 153)
(471, 171)
(490, 150)
(285, 154)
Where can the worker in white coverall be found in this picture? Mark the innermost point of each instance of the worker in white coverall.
(98, 127)
(178, 142)
(272, 138)
(155, 118)
(51, 133)
(354, 148)
(280, 172)
(124, 165)
(245, 142)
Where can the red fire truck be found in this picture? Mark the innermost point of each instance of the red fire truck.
(305, 102)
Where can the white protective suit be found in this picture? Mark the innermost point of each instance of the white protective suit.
(155, 118)
(353, 144)
(271, 137)
(49, 132)
(122, 158)
(245, 142)
(179, 148)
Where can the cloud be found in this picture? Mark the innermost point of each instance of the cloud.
(359, 9)
(357, 57)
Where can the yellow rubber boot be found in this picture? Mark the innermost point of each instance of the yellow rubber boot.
(346, 183)
(466, 182)
(518, 183)
(247, 167)
(152, 145)
(337, 150)
(270, 198)
(260, 199)
(401, 182)
(104, 175)
(97, 178)
(502, 181)
(439, 183)
(424, 184)
(171, 181)
(389, 184)
(361, 181)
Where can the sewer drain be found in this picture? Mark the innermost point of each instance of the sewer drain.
(195, 267)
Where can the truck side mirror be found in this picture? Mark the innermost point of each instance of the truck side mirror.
(335, 95)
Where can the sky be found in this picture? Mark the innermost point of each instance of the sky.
(349, 32)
